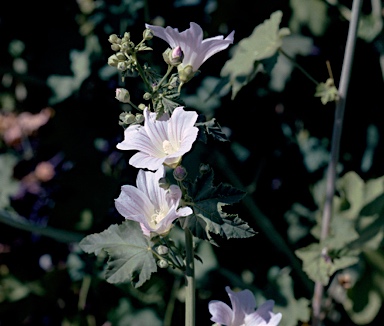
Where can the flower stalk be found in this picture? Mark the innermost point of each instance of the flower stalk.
(190, 306)
(335, 148)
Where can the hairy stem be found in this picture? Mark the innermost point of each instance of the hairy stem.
(335, 147)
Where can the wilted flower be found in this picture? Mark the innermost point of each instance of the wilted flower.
(195, 50)
(161, 141)
(243, 311)
(149, 204)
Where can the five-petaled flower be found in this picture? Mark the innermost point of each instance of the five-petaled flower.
(243, 311)
(160, 141)
(152, 206)
(195, 50)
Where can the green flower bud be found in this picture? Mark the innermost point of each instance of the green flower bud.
(126, 37)
(115, 47)
(147, 96)
(127, 118)
(113, 60)
(120, 56)
(185, 73)
(147, 34)
(162, 263)
(180, 173)
(142, 106)
(123, 95)
(122, 66)
(173, 57)
(139, 118)
(113, 38)
(162, 250)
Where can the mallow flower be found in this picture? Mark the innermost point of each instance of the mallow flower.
(195, 50)
(152, 206)
(160, 141)
(243, 311)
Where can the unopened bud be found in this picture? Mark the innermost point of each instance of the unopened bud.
(180, 173)
(126, 37)
(173, 57)
(123, 95)
(122, 66)
(142, 106)
(139, 118)
(164, 183)
(147, 96)
(162, 263)
(120, 56)
(147, 34)
(127, 118)
(185, 73)
(113, 38)
(162, 250)
(113, 60)
(115, 47)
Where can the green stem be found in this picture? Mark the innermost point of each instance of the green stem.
(335, 148)
(141, 72)
(299, 67)
(170, 68)
(190, 280)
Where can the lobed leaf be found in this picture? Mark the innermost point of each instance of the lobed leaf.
(129, 252)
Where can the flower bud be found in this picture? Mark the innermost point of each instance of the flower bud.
(173, 57)
(139, 118)
(147, 96)
(127, 118)
(115, 47)
(123, 95)
(162, 250)
(142, 106)
(164, 183)
(126, 37)
(122, 66)
(185, 73)
(162, 263)
(113, 61)
(120, 56)
(147, 34)
(113, 38)
(180, 173)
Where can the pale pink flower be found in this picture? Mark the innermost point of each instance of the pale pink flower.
(161, 141)
(152, 206)
(195, 50)
(243, 311)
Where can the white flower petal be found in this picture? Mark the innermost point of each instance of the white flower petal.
(144, 161)
(196, 50)
(243, 303)
(221, 312)
(133, 204)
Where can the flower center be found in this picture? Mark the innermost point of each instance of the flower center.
(157, 216)
(168, 148)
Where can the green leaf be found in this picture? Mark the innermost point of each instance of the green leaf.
(327, 91)
(293, 310)
(9, 185)
(129, 251)
(212, 128)
(262, 44)
(208, 215)
(319, 267)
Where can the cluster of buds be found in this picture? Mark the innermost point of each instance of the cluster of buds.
(124, 58)
(128, 118)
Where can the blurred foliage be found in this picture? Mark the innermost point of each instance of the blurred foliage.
(60, 170)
